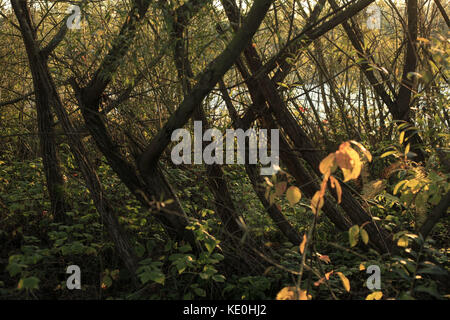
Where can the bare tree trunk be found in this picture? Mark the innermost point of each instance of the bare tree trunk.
(46, 88)
(47, 142)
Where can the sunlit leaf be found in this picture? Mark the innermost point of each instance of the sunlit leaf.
(398, 185)
(293, 195)
(386, 154)
(364, 235)
(335, 184)
(375, 295)
(303, 244)
(353, 235)
(316, 202)
(325, 259)
(402, 242)
(327, 164)
(401, 137)
(293, 293)
(345, 281)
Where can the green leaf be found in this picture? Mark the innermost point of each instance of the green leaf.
(185, 248)
(353, 235)
(218, 278)
(29, 283)
(210, 244)
(156, 276)
(433, 270)
(364, 236)
(139, 249)
(200, 292)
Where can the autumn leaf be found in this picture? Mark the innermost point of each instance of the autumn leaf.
(325, 259)
(343, 160)
(364, 235)
(322, 280)
(402, 242)
(375, 295)
(349, 162)
(362, 267)
(327, 164)
(280, 188)
(293, 293)
(323, 186)
(303, 244)
(336, 185)
(293, 195)
(328, 274)
(345, 281)
(316, 202)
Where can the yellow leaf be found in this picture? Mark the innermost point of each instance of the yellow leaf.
(375, 295)
(269, 183)
(398, 185)
(402, 136)
(423, 39)
(348, 160)
(280, 188)
(293, 195)
(362, 267)
(364, 235)
(345, 281)
(327, 163)
(293, 293)
(355, 162)
(335, 184)
(323, 185)
(303, 244)
(316, 202)
(407, 149)
(402, 242)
